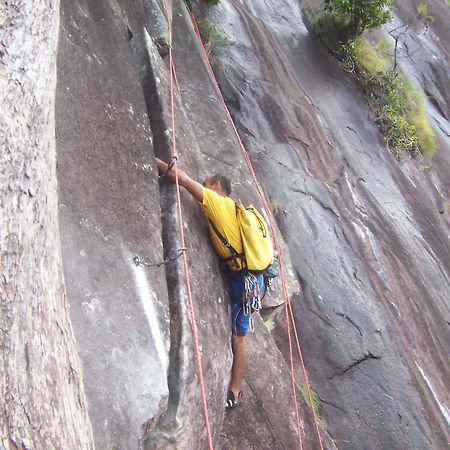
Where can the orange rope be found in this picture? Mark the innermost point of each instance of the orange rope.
(191, 309)
(291, 358)
(305, 376)
(288, 309)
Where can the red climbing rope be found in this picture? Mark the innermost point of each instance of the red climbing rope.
(288, 308)
(305, 376)
(191, 309)
(291, 354)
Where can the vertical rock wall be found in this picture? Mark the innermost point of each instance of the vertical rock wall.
(113, 118)
(110, 215)
(367, 239)
(132, 321)
(366, 233)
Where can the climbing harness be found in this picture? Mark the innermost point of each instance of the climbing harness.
(251, 297)
(138, 261)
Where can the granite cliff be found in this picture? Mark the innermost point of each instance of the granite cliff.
(364, 235)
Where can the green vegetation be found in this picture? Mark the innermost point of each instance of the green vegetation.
(417, 116)
(372, 58)
(341, 21)
(399, 107)
(422, 13)
(212, 35)
(445, 207)
(360, 15)
(212, 2)
(269, 322)
(315, 401)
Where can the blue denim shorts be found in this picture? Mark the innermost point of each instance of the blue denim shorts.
(240, 322)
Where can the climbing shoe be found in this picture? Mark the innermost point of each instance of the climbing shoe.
(232, 401)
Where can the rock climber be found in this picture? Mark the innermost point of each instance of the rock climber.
(220, 209)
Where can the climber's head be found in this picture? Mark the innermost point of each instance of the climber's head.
(218, 183)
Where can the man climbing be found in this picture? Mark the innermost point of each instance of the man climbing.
(220, 210)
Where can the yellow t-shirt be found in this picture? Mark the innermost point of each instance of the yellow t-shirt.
(222, 213)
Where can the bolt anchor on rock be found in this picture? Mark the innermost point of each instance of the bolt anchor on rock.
(178, 253)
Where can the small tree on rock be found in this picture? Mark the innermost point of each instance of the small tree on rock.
(347, 19)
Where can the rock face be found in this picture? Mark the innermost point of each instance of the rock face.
(366, 233)
(110, 215)
(364, 236)
(117, 89)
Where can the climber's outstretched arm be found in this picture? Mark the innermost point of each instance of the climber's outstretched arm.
(196, 189)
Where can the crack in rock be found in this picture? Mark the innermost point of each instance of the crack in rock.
(331, 404)
(325, 319)
(320, 202)
(355, 275)
(367, 356)
(351, 321)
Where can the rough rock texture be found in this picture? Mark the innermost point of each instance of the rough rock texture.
(205, 144)
(364, 237)
(106, 146)
(110, 214)
(367, 234)
(422, 55)
(42, 401)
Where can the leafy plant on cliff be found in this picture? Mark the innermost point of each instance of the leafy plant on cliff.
(417, 116)
(317, 405)
(399, 107)
(343, 20)
(212, 35)
(359, 15)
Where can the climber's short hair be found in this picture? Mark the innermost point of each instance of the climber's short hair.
(224, 182)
